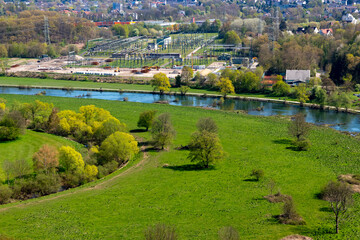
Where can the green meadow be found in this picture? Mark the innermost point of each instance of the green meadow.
(28, 144)
(196, 202)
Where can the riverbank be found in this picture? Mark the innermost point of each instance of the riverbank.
(174, 92)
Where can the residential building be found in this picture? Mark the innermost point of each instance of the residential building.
(295, 77)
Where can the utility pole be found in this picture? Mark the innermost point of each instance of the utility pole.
(46, 31)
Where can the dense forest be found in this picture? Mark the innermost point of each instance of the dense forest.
(29, 25)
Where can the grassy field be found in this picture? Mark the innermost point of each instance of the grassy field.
(114, 86)
(197, 203)
(27, 145)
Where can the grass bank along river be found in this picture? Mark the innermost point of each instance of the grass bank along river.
(265, 107)
(197, 203)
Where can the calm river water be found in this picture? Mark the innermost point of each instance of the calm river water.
(341, 121)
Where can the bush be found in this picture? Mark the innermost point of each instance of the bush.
(47, 184)
(107, 168)
(290, 216)
(184, 90)
(9, 133)
(281, 89)
(5, 194)
(71, 180)
(160, 232)
(37, 186)
(258, 174)
(11, 126)
(24, 188)
(302, 144)
(228, 233)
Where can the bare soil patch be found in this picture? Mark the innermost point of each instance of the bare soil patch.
(296, 237)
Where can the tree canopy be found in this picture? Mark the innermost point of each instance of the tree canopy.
(160, 82)
(119, 146)
(162, 131)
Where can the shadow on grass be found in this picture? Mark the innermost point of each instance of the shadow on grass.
(318, 195)
(189, 167)
(137, 130)
(143, 144)
(287, 142)
(183, 148)
(325, 209)
(283, 141)
(152, 149)
(259, 199)
(250, 180)
(294, 148)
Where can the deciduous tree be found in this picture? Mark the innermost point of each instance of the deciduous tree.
(146, 119)
(46, 159)
(108, 127)
(207, 124)
(339, 195)
(301, 93)
(91, 172)
(119, 146)
(186, 75)
(160, 82)
(280, 88)
(71, 160)
(299, 128)
(162, 131)
(231, 37)
(205, 148)
(226, 86)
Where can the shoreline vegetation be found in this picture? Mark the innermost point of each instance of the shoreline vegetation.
(175, 93)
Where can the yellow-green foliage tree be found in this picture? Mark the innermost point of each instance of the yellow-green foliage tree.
(90, 124)
(38, 113)
(90, 172)
(118, 146)
(71, 160)
(226, 86)
(2, 104)
(160, 82)
(72, 123)
(93, 116)
(301, 93)
(108, 127)
(281, 88)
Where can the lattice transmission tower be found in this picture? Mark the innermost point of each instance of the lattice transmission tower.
(46, 31)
